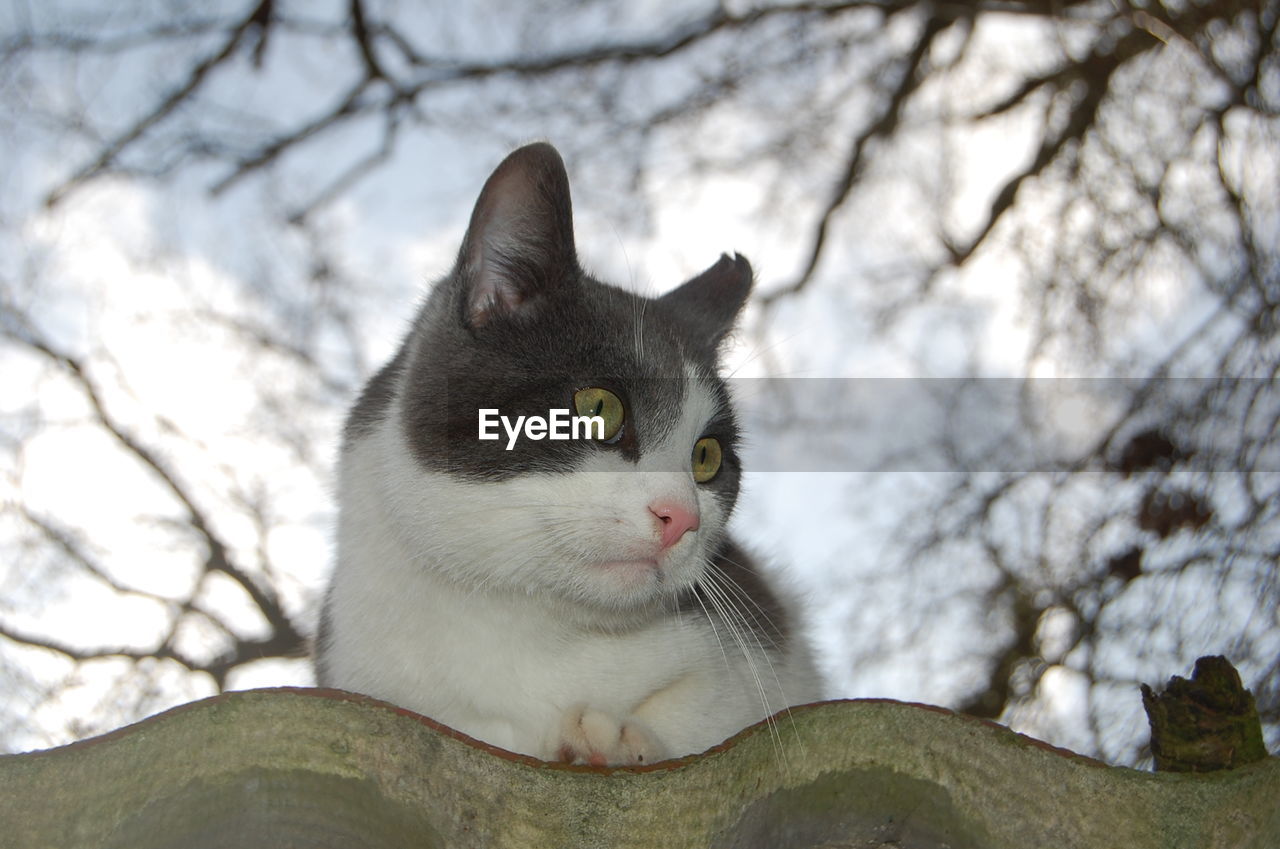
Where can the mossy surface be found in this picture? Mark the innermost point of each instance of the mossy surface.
(315, 810)
(302, 767)
(860, 807)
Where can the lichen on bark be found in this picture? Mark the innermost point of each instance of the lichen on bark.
(1205, 724)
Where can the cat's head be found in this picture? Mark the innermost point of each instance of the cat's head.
(615, 523)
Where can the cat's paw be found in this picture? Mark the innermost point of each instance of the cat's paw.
(590, 736)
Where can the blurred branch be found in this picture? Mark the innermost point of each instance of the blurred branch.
(285, 639)
(431, 73)
(881, 129)
(82, 655)
(256, 21)
(360, 32)
(1095, 73)
(992, 699)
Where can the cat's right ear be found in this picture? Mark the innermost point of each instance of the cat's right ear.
(519, 244)
(708, 305)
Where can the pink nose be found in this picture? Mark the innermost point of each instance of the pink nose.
(675, 519)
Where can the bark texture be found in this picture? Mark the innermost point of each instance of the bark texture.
(1205, 724)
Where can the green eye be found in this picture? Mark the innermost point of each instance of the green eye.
(706, 459)
(594, 401)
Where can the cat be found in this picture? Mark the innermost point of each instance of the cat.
(571, 599)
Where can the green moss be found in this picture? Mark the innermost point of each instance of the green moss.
(863, 807)
(261, 807)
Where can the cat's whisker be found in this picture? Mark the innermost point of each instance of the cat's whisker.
(759, 614)
(728, 613)
(716, 574)
(715, 632)
(637, 332)
(758, 352)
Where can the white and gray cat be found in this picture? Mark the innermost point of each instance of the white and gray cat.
(575, 600)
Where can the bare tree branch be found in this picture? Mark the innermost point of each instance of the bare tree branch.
(285, 638)
(1095, 73)
(256, 21)
(881, 129)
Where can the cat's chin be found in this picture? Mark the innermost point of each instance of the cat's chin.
(627, 584)
(644, 587)
(643, 570)
(625, 592)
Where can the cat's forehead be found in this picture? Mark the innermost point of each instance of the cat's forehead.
(647, 356)
(616, 330)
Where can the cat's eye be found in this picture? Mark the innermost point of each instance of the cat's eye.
(595, 401)
(706, 459)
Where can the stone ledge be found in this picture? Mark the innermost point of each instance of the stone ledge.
(299, 767)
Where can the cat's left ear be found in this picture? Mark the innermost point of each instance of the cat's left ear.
(519, 244)
(708, 305)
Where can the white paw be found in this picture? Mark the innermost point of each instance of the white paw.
(589, 736)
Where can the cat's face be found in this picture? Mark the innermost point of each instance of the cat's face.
(616, 520)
